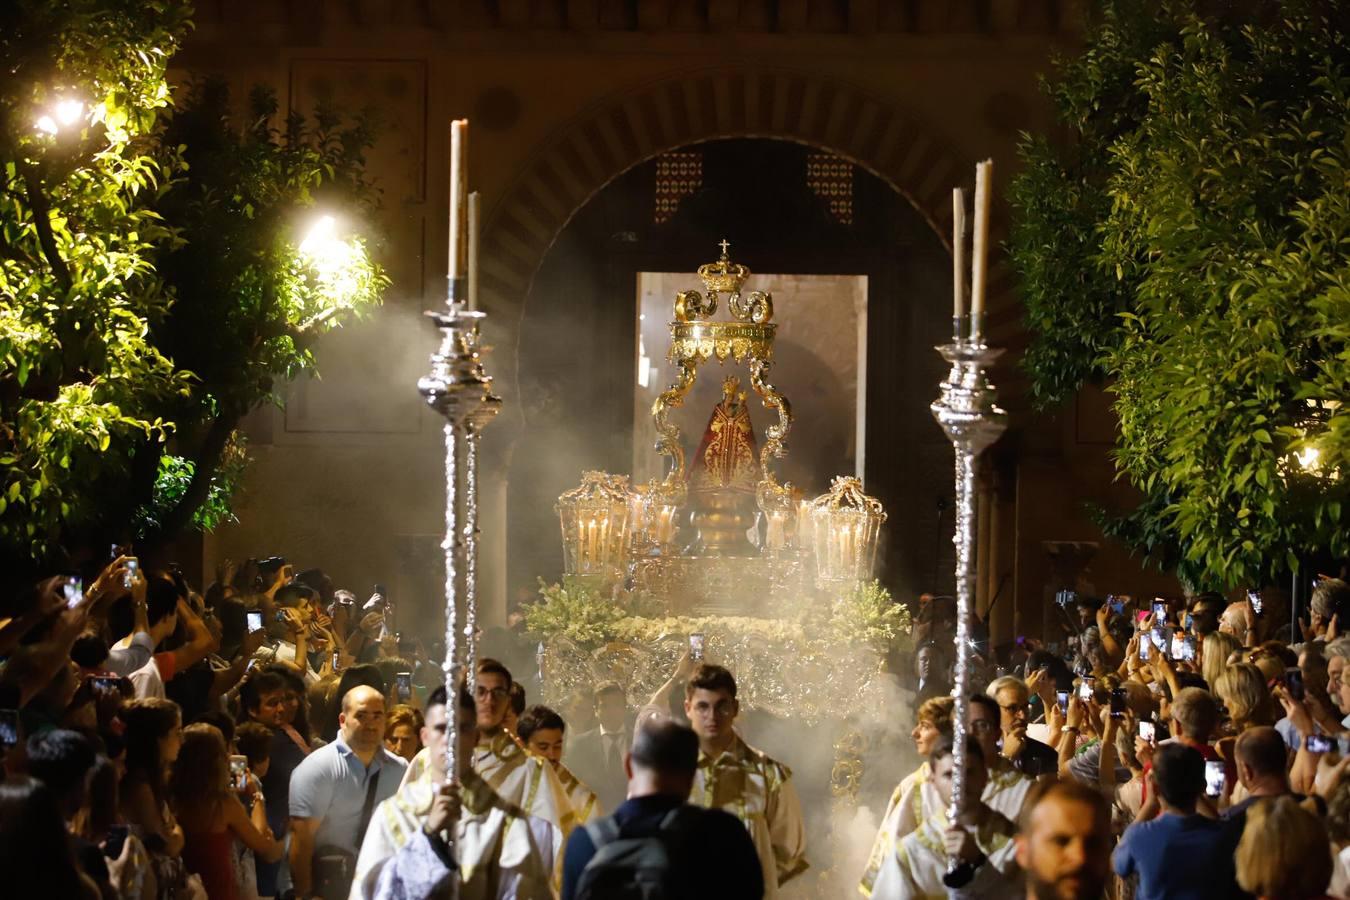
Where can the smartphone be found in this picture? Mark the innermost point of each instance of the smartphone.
(1117, 703)
(403, 687)
(1062, 700)
(117, 837)
(1116, 605)
(1159, 610)
(281, 615)
(239, 773)
(696, 647)
(1145, 645)
(1085, 690)
(1188, 648)
(133, 567)
(1319, 743)
(252, 664)
(1148, 731)
(74, 591)
(1178, 646)
(254, 620)
(1254, 597)
(1214, 777)
(9, 728)
(1293, 682)
(109, 682)
(337, 660)
(1160, 637)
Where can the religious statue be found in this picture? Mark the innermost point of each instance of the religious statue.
(723, 477)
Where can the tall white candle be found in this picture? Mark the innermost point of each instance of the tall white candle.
(458, 172)
(958, 256)
(474, 223)
(983, 174)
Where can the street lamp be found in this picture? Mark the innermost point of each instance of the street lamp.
(62, 115)
(338, 262)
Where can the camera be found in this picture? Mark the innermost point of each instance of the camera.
(73, 591)
(1254, 597)
(133, 567)
(255, 622)
(239, 773)
(403, 687)
(1148, 731)
(1062, 700)
(696, 647)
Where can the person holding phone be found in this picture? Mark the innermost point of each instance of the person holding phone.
(1180, 853)
(1028, 755)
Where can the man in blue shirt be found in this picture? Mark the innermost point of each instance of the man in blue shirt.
(1180, 855)
(337, 787)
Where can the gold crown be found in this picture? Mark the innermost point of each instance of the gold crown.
(723, 276)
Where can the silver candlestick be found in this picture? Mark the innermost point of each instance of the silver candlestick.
(967, 411)
(458, 389)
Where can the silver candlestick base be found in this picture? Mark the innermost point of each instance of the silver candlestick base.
(967, 411)
(459, 390)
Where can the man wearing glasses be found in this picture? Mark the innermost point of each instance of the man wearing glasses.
(1028, 755)
(737, 778)
(518, 777)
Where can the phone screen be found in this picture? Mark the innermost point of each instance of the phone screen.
(9, 728)
(1085, 690)
(1159, 611)
(403, 686)
(254, 621)
(1062, 699)
(1147, 731)
(1214, 777)
(1319, 743)
(239, 773)
(337, 660)
(74, 591)
(696, 647)
(1145, 645)
(1117, 606)
(1178, 646)
(1255, 598)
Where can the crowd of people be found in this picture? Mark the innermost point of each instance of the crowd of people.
(274, 737)
(1179, 748)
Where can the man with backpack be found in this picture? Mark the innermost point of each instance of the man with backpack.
(656, 846)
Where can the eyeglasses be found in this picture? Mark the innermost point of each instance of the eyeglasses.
(483, 693)
(1013, 709)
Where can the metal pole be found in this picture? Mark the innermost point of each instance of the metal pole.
(967, 411)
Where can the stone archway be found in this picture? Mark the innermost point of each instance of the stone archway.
(608, 139)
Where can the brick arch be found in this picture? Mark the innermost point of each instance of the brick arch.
(623, 131)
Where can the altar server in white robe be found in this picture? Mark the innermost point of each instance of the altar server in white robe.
(737, 778)
(428, 836)
(915, 866)
(1006, 790)
(518, 777)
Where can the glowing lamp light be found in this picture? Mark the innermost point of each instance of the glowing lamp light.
(64, 114)
(1309, 459)
(845, 525)
(337, 262)
(595, 518)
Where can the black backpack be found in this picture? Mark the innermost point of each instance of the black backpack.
(638, 868)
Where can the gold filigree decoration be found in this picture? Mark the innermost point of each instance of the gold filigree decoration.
(724, 277)
(667, 432)
(770, 494)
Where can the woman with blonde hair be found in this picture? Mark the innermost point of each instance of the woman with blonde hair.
(1242, 689)
(403, 731)
(1214, 655)
(1284, 853)
(212, 815)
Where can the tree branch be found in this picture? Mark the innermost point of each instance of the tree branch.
(43, 222)
(199, 488)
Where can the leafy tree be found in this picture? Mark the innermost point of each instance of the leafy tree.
(151, 286)
(1189, 248)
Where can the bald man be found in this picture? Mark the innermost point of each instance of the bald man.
(335, 791)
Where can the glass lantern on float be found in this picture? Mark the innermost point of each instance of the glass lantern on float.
(595, 518)
(653, 508)
(845, 526)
